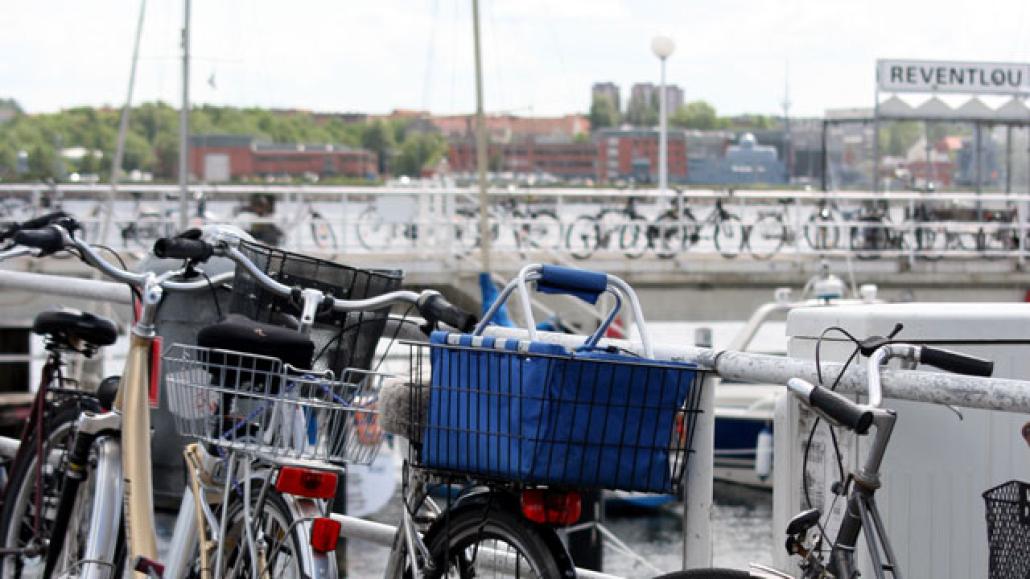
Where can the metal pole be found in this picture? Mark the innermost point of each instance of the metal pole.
(699, 483)
(123, 129)
(825, 156)
(485, 237)
(1008, 159)
(184, 123)
(663, 144)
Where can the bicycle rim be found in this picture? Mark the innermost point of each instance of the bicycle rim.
(283, 552)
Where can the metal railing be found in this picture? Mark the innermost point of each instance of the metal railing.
(574, 224)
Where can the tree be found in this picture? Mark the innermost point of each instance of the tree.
(697, 115)
(603, 113)
(419, 151)
(378, 138)
(42, 162)
(642, 112)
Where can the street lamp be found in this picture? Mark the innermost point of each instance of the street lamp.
(663, 46)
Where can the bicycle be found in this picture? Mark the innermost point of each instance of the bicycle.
(822, 231)
(34, 482)
(678, 229)
(766, 236)
(624, 225)
(242, 506)
(494, 419)
(532, 227)
(258, 218)
(806, 532)
(145, 224)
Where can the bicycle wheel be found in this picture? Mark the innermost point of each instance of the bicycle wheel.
(472, 542)
(821, 233)
(633, 237)
(867, 241)
(322, 232)
(929, 243)
(543, 230)
(285, 552)
(670, 234)
(729, 236)
(766, 236)
(707, 574)
(583, 237)
(371, 231)
(34, 490)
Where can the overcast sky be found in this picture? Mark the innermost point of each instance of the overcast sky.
(540, 56)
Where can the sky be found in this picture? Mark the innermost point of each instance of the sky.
(540, 57)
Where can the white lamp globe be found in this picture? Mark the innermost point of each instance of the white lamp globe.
(662, 46)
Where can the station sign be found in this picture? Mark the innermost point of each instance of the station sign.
(934, 76)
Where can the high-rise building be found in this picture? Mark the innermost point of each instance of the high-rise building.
(609, 90)
(642, 94)
(673, 98)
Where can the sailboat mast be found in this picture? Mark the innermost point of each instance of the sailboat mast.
(485, 237)
(184, 123)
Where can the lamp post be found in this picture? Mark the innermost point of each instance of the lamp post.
(663, 46)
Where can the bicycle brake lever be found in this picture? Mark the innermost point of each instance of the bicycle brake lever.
(873, 343)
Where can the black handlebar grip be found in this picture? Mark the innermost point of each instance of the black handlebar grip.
(956, 362)
(34, 223)
(841, 409)
(182, 248)
(437, 309)
(48, 239)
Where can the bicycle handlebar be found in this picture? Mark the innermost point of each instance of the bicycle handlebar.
(433, 306)
(836, 408)
(955, 362)
(34, 223)
(48, 240)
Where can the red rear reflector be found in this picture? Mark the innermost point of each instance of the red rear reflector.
(324, 534)
(551, 508)
(301, 482)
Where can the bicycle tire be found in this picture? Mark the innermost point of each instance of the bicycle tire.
(633, 237)
(726, 230)
(822, 234)
(20, 496)
(670, 234)
(288, 552)
(322, 232)
(368, 225)
(583, 237)
(707, 574)
(544, 230)
(486, 526)
(771, 232)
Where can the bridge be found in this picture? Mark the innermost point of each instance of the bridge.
(708, 253)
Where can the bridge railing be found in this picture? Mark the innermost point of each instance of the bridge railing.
(571, 223)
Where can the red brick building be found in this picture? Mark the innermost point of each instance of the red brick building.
(219, 158)
(565, 160)
(633, 154)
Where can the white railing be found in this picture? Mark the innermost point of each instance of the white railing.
(570, 224)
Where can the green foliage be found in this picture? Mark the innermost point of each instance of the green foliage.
(642, 113)
(603, 113)
(697, 115)
(419, 151)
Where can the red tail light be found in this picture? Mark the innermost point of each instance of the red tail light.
(302, 482)
(324, 534)
(551, 508)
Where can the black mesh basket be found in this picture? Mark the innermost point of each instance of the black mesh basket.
(1008, 530)
(342, 340)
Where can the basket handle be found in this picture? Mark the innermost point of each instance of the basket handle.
(584, 284)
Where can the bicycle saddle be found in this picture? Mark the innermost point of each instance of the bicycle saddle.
(241, 334)
(74, 329)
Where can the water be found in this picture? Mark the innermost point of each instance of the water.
(742, 533)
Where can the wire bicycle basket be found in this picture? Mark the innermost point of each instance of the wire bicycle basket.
(343, 340)
(258, 406)
(1008, 530)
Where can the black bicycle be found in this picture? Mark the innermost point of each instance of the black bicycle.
(623, 228)
(678, 229)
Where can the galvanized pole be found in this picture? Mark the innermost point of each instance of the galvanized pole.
(184, 123)
(663, 145)
(481, 145)
(123, 129)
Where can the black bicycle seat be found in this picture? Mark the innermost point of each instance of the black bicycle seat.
(71, 327)
(803, 521)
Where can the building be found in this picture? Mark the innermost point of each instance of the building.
(632, 154)
(745, 163)
(610, 90)
(673, 98)
(642, 95)
(511, 128)
(220, 158)
(563, 160)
